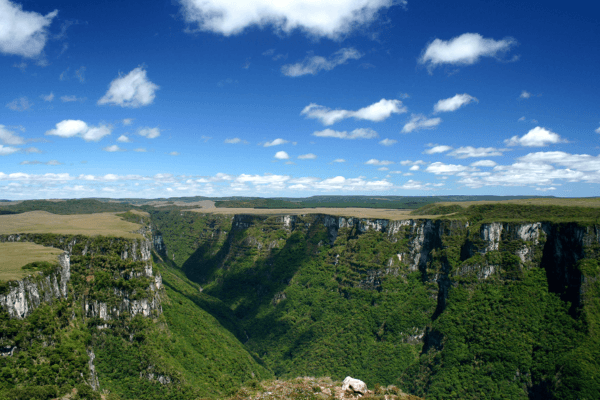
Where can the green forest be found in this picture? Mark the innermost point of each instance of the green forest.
(492, 302)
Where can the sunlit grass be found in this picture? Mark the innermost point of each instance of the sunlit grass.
(16, 255)
(106, 224)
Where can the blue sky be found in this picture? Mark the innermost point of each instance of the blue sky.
(297, 98)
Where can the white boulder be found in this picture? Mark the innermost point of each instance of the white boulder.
(354, 385)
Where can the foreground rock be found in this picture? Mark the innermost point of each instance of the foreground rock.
(318, 388)
(354, 386)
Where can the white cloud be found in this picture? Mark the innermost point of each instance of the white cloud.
(140, 150)
(312, 65)
(484, 163)
(409, 162)
(235, 141)
(597, 130)
(388, 142)
(31, 150)
(525, 95)
(150, 133)
(465, 49)
(309, 156)
(80, 74)
(376, 112)
(469, 151)
(438, 149)
(132, 90)
(439, 168)
(113, 148)
(374, 161)
(174, 153)
(71, 98)
(339, 160)
(454, 103)
(317, 18)
(23, 33)
(418, 122)
(6, 150)
(360, 133)
(383, 169)
(205, 138)
(414, 168)
(47, 97)
(537, 137)
(522, 119)
(275, 142)
(9, 137)
(127, 121)
(35, 162)
(70, 128)
(282, 155)
(123, 139)
(20, 104)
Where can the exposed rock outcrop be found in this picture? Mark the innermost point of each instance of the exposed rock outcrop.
(27, 294)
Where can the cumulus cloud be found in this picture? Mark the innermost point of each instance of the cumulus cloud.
(6, 150)
(484, 163)
(360, 133)
(132, 90)
(123, 139)
(419, 121)
(438, 149)
(597, 130)
(339, 160)
(454, 103)
(376, 112)
(317, 18)
(275, 142)
(312, 65)
(388, 142)
(127, 121)
(150, 133)
(439, 168)
(9, 137)
(20, 104)
(469, 151)
(374, 161)
(23, 33)
(282, 155)
(76, 128)
(309, 156)
(47, 97)
(112, 149)
(465, 49)
(537, 137)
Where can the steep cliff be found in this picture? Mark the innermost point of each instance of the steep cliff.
(96, 321)
(445, 308)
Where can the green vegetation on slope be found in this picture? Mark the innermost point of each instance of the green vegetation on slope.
(185, 346)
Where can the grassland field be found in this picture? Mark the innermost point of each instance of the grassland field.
(16, 255)
(105, 224)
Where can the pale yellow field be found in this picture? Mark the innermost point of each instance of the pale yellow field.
(575, 202)
(16, 255)
(105, 224)
(343, 212)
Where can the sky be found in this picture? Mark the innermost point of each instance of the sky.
(297, 98)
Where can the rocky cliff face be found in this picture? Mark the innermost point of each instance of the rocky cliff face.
(27, 294)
